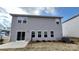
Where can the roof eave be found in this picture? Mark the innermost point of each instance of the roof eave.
(36, 16)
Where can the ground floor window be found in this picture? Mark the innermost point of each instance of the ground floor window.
(52, 34)
(23, 35)
(20, 35)
(39, 33)
(33, 34)
(45, 34)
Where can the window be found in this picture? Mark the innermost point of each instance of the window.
(57, 22)
(24, 21)
(20, 35)
(19, 21)
(52, 34)
(45, 34)
(39, 33)
(23, 35)
(33, 34)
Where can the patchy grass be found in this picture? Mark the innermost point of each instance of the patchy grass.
(48, 46)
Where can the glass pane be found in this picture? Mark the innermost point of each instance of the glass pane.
(24, 21)
(19, 21)
(18, 35)
(33, 34)
(45, 34)
(23, 35)
(52, 34)
(57, 22)
(39, 34)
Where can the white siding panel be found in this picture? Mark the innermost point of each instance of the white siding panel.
(71, 28)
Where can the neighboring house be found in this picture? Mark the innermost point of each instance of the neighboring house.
(33, 27)
(71, 27)
(7, 32)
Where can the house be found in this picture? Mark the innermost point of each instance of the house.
(71, 27)
(35, 27)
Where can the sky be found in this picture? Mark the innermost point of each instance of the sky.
(65, 12)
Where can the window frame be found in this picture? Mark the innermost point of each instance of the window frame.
(45, 34)
(52, 33)
(20, 35)
(23, 36)
(33, 34)
(19, 21)
(57, 22)
(24, 21)
(39, 34)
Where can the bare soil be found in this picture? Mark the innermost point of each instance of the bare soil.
(48, 46)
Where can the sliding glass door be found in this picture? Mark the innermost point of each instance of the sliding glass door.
(20, 36)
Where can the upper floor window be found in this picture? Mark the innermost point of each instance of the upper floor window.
(45, 34)
(52, 34)
(24, 21)
(19, 21)
(39, 33)
(57, 22)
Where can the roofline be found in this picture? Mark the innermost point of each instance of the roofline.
(36, 16)
(71, 18)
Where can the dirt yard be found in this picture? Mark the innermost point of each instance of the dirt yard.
(48, 46)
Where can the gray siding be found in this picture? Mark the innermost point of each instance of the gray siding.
(36, 24)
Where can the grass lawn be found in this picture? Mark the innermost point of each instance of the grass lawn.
(48, 46)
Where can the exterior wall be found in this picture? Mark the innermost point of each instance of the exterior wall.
(36, 24)
(71, 28)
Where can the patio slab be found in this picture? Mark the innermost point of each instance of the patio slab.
(17, 44)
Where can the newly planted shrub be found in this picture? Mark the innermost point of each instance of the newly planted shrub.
(66, 39)
(1, 41)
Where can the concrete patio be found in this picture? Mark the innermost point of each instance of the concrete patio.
(17, 44)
